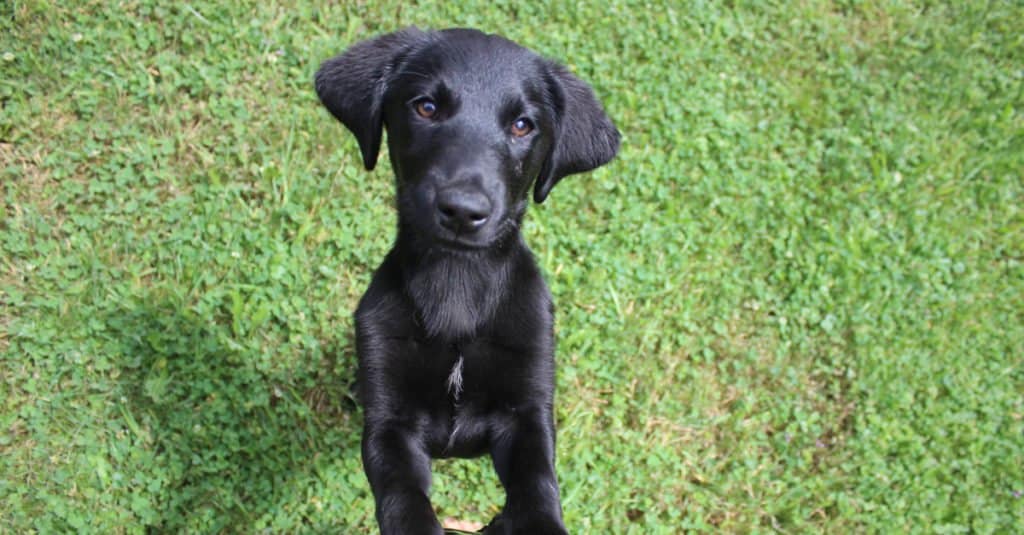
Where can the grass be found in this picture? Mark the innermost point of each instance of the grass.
(793, 303)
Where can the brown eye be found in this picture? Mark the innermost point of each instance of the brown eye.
(521, 127)
(426, 108)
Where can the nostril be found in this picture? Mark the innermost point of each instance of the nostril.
(462, 211)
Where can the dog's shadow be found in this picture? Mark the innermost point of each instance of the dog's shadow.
(225, 435)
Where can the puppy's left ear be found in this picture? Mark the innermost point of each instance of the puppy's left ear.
(585, 137)
(352, 85)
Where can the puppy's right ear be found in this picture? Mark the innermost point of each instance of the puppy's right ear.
(352, 85)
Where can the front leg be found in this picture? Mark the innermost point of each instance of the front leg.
(395, 457)
(398, 468)
(524, 457)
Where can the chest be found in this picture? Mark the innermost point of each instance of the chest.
(478, 374)
(461, 392)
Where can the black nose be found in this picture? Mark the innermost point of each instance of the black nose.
(463, 211)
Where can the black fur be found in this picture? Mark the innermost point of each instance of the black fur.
(454, 334)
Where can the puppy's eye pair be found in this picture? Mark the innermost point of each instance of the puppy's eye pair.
(426, 108)
(521, 127)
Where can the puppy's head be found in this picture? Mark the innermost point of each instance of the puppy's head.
(473, 120)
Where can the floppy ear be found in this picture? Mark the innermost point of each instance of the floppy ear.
(585, 137)
(352, 84)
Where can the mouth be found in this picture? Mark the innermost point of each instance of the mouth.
(451, 242)
(461, 244)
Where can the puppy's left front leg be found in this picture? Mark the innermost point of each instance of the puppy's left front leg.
(524, 457)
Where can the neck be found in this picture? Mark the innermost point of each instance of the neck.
(456, 292)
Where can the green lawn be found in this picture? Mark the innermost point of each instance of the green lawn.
(794, 303)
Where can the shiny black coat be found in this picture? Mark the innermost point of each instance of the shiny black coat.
(454, 335)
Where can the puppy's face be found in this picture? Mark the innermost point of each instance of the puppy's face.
(470, 122)
(473, 120)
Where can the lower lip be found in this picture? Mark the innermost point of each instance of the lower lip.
(458, 245)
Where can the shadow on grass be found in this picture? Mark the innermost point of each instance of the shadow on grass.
(228, 438)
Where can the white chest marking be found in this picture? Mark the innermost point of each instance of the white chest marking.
(455, 380)
(455, 390)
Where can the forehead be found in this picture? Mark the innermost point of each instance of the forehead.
(472, 62)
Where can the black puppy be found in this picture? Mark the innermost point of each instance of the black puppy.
(454, 334)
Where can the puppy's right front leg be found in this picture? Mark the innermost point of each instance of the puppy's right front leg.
(398, 468)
